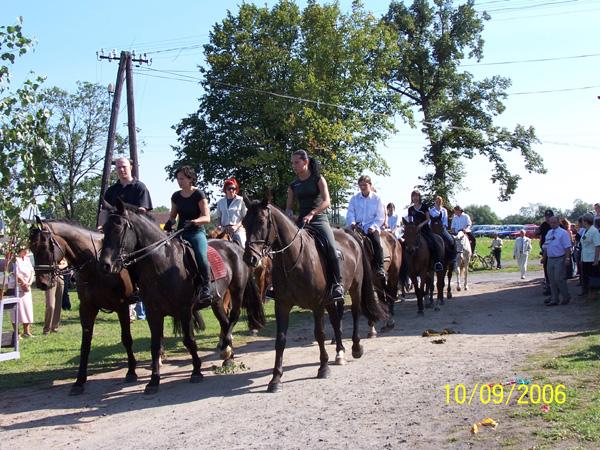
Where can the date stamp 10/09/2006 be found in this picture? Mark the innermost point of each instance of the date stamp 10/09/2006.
(498, 394)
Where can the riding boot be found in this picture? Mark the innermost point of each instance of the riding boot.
(433, 250)
(337, 289)
(204, 296)
(377, 254)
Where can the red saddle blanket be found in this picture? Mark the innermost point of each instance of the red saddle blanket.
(217, 266)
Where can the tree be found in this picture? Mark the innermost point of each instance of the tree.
(23, 142)
(78, 127)
(282, 79)
(457, 112)
(482, 214)
(579, 209)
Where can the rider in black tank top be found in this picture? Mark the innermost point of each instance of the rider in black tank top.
(419, 211)
(310, 189)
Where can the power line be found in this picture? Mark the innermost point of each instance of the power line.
(582, 88)
(557, 58)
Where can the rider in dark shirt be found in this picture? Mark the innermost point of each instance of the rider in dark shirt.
(419, 212)
(310, 189)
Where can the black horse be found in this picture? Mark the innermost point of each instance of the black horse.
(166, 280)
(299, 279)
(52, 241)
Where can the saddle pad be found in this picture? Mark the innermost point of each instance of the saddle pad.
(217, 266)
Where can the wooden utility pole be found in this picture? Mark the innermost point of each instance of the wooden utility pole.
(124, 73)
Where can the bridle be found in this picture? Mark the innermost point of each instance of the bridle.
(53, 268)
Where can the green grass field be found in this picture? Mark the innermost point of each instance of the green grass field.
(55, 356)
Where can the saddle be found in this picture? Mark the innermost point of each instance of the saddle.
(387, 257)
(320, 243)
(215, 262)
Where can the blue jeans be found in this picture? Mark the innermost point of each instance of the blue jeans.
(197, 239)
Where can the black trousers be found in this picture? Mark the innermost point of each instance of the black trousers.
(375, 239)
(498, 255)
(588, 270)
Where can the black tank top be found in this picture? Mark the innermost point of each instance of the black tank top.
(308, 194)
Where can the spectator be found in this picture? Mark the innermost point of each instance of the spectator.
(590, 254)
(557, 253)
(24, 275)
(543, 231)
(597, 215)
(521, 252)
(496, 247)
(54, 299)
(566, 225)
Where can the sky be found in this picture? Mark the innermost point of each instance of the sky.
(548, 48)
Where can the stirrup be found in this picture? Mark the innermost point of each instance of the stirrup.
(335, 295)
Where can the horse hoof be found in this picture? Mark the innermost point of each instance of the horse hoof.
(76, 389)
(227, 353)
(372, 334)
(466, 288)
(196, 378)
(131, 378)
(151, 389)
(340, 361)
(358, 352)
(324, 372)
(458, 288)
(273, 388)
(228, 363)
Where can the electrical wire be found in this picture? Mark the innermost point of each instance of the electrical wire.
(557, 58)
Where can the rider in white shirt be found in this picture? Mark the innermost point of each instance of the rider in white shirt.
(365, 211)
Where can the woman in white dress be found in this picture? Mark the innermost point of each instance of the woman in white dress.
(25, 275)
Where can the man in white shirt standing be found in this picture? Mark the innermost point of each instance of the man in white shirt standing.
(366, 211)
(557, 252)
(521, 252)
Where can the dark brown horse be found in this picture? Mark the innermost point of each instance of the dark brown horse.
(299, 279)
(420, 265)
(449, 259)
(52, 241)
(162, 269)
(387, 289)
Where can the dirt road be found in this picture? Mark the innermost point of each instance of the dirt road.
(393, 397)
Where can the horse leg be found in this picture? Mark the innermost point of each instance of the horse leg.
(457, 269)
(357, 348)
(450, 272)
(466, 269)
(87, 317)
(282, 318)
(156, 323)
(221, 315)
(334, 319)
(324, 370)
(391, 295)
(234, 315)
(190, 343)
(440, 278)
(418, 287)
(127, 341)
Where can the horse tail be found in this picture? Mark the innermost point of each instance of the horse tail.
(403, 265)
(253, 304)
(371, 307)
(198, 321)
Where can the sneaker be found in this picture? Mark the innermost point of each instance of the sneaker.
(438, 267)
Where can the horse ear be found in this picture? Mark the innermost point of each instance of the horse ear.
(246, 200)
(120, 206)
(39, 222)
(404, 222)
(107, 206)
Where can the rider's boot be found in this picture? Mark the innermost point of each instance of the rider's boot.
(337, 289)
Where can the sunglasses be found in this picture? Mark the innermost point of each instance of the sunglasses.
(231, 188)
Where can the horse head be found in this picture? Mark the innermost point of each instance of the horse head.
(119, 237)
(47, 253)
(411, 242)
(260, 234)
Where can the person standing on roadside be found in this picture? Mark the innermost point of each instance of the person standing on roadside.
(521, 252)
(54, 300)
(557, 253)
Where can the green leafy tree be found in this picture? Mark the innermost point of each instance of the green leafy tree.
(78, 127)
(457, 112)
(579, 209)
(281, 79)
(482, 214)
(23, 142)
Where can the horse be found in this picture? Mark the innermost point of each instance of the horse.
(299, 279)
(449, 257)
(419, 265)
(463, 250)
(162, 269)
(54, 240)
(386, 288)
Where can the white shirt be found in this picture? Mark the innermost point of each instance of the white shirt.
(589, 241)
(232, 214)
(558, 240)
(462, 222)
(433, 212)
(367, 211)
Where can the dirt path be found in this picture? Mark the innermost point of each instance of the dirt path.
(393, 397)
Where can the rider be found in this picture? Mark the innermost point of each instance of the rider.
(438, 210)
(366, 211)
(191, 207)
(462, 222)
(310, 188)
(231, 209)
(419, 212)
(392, 224)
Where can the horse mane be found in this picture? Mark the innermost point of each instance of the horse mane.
(74, 224)
(135, 209)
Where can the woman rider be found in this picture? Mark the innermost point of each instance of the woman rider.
(310, 189)
(190, 206)
(419, 211)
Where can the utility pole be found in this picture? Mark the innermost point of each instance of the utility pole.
(124, 73)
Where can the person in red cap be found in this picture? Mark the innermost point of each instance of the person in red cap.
(230, 212)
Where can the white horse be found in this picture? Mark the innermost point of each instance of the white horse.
(463, 257)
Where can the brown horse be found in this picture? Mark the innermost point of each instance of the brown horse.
(419, 265)
(299, 279)
(449, 259)
(386, 288)
(52, 241)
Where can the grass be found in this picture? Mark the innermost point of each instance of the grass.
(508, 263)
(45, 359)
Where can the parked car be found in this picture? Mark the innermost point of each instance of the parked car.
(531, 231)
(485, 230)
(508, 231)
